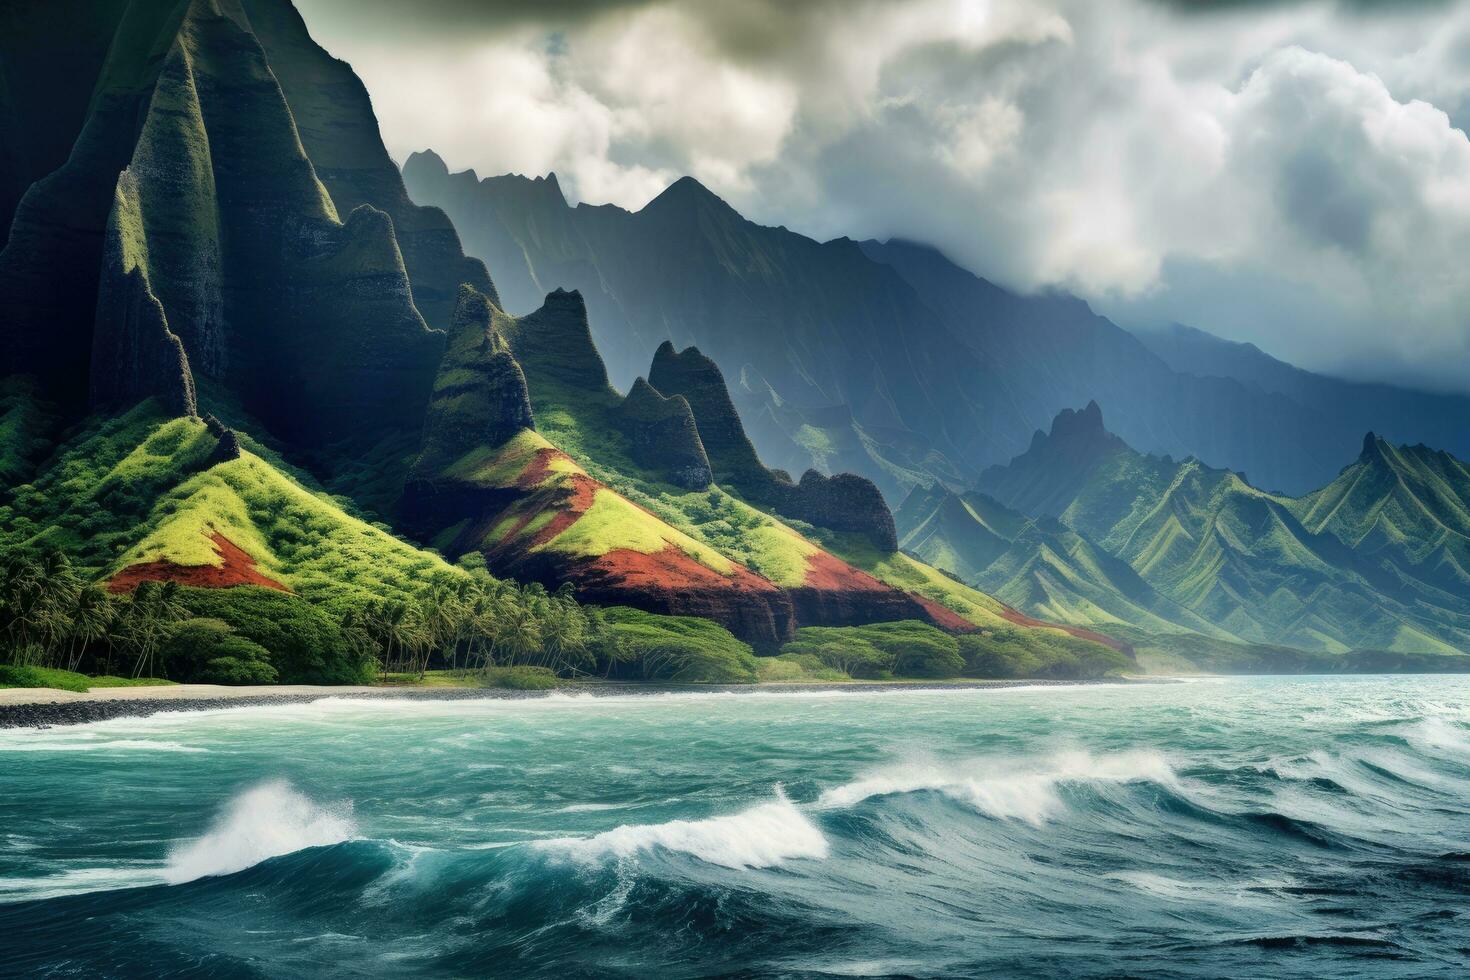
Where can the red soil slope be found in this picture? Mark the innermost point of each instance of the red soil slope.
(669, 581)
(238, 568)
(1021, 619)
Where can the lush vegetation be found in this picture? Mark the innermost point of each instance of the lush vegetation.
(678, 649)
(912, 649)
(67, 680)
(1378, 558)
(52, 617)
(520, 678)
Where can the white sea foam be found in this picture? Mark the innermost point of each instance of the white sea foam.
(1256, 892)
(333, 710)
(263, 822)
(1013, 789)
(760, 837)
(65, 744)
(1440, 736)
(76, 881)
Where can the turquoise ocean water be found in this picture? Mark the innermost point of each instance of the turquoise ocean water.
(1304, 827)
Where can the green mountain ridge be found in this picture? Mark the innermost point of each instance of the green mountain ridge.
(1374, 560)
(228, 239)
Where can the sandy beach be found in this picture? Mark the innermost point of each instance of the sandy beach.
(47, 707)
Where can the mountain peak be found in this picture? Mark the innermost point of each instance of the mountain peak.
(1370, 446)
(1087, 423)
(688, 194)
(427, 162)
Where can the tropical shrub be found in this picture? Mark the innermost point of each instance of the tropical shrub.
(305, 646)
(903, 649)
(208, 651)
(678, 649)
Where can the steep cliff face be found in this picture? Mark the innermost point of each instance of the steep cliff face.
(480, 396)
(49, 269)
(45, 87)
(844, 502)
(334, 118)
(800, 326)
(700, 382)
(942, 372)
(559, 505)
(308, 319)
(136, 356)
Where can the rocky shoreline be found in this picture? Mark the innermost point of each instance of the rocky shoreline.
(97, 706)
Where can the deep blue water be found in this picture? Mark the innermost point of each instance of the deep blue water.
(1303, 827)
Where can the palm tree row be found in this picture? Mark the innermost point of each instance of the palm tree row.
(480, 622)
(50, 616)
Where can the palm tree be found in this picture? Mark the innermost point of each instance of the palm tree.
(151, 615)
(91, 615)
(521, 634)
(359, 630)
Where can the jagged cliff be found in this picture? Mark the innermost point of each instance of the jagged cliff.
(844, 502)
(226, 236)
(486, 482)
(334, 118)
(663, 437)
(941, 373)
(296, 301)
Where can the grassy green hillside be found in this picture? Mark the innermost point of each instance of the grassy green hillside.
(143, 488)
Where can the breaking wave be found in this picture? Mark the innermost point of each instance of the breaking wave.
(263, 822)
(1009, 789)
(761, 837)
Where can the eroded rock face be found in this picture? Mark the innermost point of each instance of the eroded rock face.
(140, 357)
(228, 448)
(298, 307)
(334, 117)
(136, 355)
(699, 380)
(49, 269)
(841, 503)
(663, 437)
(480, 401)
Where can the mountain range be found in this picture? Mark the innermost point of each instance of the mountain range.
(889, 360)
(240, 348)
(1082, 528)
(238, 354)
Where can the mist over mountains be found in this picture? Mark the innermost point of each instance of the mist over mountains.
(890, 360)
(242, 351)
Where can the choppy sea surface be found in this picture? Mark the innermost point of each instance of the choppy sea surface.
(1291, 827)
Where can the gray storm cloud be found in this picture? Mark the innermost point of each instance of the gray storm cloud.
(1294, 174)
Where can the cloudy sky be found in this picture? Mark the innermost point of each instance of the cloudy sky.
(1290, 173)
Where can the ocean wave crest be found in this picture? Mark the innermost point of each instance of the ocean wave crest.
(263, 822)
(1011, 789)
(761, 837)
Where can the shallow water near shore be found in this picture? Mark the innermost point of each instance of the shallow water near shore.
(1242, 827)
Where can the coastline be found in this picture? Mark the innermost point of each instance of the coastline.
(36, 707)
